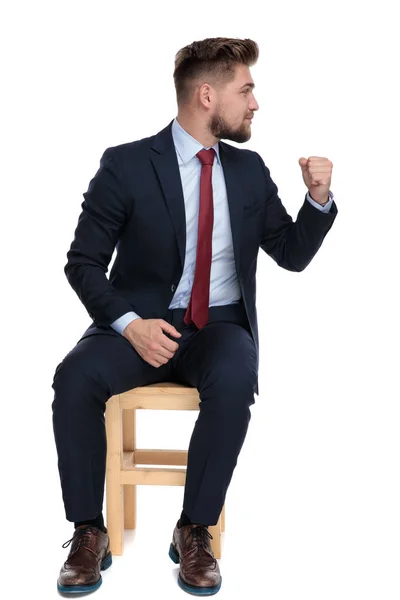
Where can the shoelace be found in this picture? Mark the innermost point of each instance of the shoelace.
(200, 536)
(81, 539)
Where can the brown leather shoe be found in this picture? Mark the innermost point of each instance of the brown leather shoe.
(199, 571)
(90, 553)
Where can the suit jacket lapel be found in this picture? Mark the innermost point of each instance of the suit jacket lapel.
(235, 195)
(166, 166)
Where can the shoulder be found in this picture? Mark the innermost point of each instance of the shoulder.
(242, 155)
(127, 150)
(248, 160)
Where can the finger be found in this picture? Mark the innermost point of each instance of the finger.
(320, 163)
(163, 354)
(162, 350)
(320, 176)
(319, 182)
(169, 345)
(319, 169)
(319, 179)
(161, 358)
(154, 360)
(151, 360)
(169, 328)
(303, 162)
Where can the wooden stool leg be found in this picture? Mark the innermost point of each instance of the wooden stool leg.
(223, 519)
(129, 445)
(215, 531)
(114, 498)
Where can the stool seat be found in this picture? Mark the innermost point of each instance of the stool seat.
(122, 473)
(161, 396)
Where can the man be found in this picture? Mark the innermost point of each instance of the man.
(187, 214)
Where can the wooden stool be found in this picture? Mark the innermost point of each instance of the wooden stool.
(122, 472)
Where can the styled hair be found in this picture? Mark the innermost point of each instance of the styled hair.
(212, 58)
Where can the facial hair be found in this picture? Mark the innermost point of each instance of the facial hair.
(220, 129)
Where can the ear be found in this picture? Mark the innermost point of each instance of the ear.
(206, 93)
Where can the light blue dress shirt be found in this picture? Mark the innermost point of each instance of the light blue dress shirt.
(224, 286)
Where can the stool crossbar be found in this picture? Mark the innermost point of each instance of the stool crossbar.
(123, 474)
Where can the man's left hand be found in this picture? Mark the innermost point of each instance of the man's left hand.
(317, 174)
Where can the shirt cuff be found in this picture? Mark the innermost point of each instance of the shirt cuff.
(327, 206)
(120, 324)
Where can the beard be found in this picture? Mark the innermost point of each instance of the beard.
(220, 129)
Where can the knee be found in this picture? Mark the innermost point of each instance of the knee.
(75, 383)
(235, 385)
(68, 373)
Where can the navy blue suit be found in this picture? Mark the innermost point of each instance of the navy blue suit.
(135, 203)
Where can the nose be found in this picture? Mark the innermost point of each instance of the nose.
(253, 103)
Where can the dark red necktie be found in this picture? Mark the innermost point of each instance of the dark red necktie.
(197, 310)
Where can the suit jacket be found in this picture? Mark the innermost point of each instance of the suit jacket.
(135, 204)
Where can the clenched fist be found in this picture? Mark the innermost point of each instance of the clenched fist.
(317, 174)
(148, 339)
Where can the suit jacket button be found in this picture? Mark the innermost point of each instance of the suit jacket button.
(173, 287)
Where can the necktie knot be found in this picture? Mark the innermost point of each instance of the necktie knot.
(206, 157)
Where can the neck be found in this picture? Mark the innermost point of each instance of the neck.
(197, 130)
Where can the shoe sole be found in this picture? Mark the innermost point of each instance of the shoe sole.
(191, 589)
(76, 589)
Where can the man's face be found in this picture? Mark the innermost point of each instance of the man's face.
(234, 108)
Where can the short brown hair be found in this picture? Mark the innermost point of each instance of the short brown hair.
(215, 58)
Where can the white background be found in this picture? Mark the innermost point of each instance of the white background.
(313, 508)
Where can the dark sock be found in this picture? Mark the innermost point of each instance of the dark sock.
(184, 520)
(97, 522)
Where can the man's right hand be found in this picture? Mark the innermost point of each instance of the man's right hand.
(148, 339)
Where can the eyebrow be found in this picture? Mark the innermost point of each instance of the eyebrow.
(250, 85)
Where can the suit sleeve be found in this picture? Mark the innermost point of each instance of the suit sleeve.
(291, 244)
(100, 224)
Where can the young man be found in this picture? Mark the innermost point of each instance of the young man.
(188, 214)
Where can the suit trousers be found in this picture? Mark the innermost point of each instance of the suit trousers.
(220, 361)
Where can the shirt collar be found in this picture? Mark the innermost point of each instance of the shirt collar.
(186, 146)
